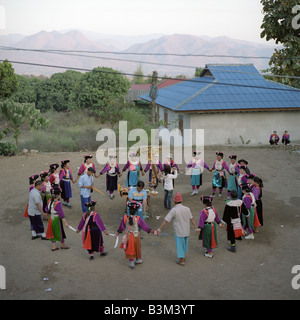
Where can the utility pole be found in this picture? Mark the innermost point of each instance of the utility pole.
(153, 93)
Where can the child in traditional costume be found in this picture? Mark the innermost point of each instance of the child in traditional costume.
(248, 210)
(232, 218)
(197, 166)
(219, 178)
(274, 138)
(87, 163)
(242, 179)
(131, 241)
(92, 227)
(286, 138)
(46, 192)
(134, 168)
(233, 172)
(54, 174)
(57, 220)
(112, 170)
(65, 178)
(207, 226)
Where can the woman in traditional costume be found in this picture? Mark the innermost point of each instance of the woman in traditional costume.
(257, 191)
(92, 228)
(46, 191)
(54, 174)
(242, 179)
(197, 166)
(65, 178)
(286, 138)
(232, 218)
(274, 138)
(244, 163)
(134, 168)
(112, 170)
(87, 163)
(207, 226)
(57, 220)
(248, 210)
(233, 172)
(219, 178)
(131, 241)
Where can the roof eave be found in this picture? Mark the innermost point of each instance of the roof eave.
(237, 110)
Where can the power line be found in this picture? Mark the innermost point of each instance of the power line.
(106, 58)
(141, 53)
(67, 52)
(162, 78)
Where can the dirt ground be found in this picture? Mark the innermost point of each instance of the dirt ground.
(261, 268)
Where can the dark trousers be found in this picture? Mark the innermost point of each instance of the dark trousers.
(168, 198)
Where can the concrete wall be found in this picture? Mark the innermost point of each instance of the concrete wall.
(226, 128)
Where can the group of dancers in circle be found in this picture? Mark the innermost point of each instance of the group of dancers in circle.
(243, 213)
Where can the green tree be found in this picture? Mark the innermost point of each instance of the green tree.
(278, 25)
(112, 111)
(59, 92)
(14, 115)
(99, 86)
(27, 89)
(198, 72)
(8, 80)
(138, 77)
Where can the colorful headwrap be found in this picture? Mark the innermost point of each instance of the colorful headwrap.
(206, 199)
(56, 190)
(133, 205)
(44, 174)
(64, 162)
(54, 166)
(243, 160)
(90, 204)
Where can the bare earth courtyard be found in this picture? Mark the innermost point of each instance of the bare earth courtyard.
(261, 268)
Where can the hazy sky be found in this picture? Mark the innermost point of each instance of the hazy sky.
(240, 19)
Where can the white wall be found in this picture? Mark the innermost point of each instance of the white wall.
(221, 128)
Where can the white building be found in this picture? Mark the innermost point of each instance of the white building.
(234, 104)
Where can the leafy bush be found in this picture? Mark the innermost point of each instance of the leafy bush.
(7, 149)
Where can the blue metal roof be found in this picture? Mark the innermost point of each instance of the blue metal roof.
(227, 87)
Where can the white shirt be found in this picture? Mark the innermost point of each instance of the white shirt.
(168, 185)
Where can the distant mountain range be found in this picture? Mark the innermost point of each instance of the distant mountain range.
(172, 65)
